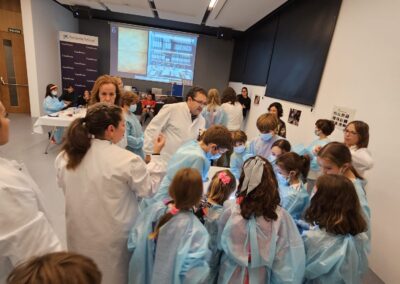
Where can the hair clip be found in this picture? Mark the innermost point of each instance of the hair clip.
(174, 210)
(224, 177)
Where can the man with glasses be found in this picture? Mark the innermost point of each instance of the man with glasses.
(179, 123)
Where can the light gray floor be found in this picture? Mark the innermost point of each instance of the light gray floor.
(26, 147)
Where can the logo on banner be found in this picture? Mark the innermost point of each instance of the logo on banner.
(68, 67)
(68, 79)
(80, 75)
(80, 63)
(91, 70)
(67, 56)
(91, 59)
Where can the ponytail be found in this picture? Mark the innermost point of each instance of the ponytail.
(164, 219)
(293, 162)
(80, 132)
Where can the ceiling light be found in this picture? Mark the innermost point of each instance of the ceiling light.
(212, 4)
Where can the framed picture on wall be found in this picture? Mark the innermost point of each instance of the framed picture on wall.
(257, 100)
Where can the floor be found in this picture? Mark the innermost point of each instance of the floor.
(27, 147)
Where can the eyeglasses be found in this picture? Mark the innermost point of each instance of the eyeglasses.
(345, 131)
(200, 102)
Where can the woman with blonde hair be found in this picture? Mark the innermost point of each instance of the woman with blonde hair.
(106, 90)
(213, 114)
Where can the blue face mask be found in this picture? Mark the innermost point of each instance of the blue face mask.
(213, 157)
(239, 149)
(282, 180)
(271, 158)
(132, 108)
(266, 136)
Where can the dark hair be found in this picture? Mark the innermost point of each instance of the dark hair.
(193, 92)
(186, 190)
(69, 85)
(57, 267)
(229, 96)
(326, 126)
(98, 118)
(362, 130)
(278, 107)
(238, 136)
(48, 89)
(218, 191)
(247, 91)
(267, 122)
(218, 135)
(100, 81)
(339, 154)
(335, 206)
(293, 162)
(283, 144)
(264, 199)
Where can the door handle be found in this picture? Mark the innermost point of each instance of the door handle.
(4, 83)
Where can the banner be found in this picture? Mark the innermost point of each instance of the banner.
(79, 61)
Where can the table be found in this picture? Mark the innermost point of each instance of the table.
(59, 119)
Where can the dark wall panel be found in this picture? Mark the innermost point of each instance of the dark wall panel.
(238, 59)
(260, 47)
(213, 58)
(302, 43)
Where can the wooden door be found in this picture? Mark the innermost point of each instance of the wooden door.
(13, 76)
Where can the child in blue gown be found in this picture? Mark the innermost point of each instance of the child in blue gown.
(168, 242)
(259, 240)
(337, 245)
(291, 171)
(221, 187)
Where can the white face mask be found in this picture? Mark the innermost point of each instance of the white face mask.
(54, 93)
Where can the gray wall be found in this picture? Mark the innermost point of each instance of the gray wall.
(212, 67)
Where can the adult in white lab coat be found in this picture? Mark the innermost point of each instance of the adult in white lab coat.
(356, 137)
(101, 183)
(24, 227)
(179, 123)
(232, 108)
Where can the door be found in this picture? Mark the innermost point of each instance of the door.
(13, 78)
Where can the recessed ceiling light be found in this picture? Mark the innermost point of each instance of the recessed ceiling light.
(212, 4)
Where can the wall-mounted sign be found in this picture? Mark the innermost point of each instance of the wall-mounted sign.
(15, 31)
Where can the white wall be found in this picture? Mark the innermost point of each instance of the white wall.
(42, 20)
(362, 72)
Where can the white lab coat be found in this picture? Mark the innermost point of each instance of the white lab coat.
(25, 230)
(234, 114)
(361, 159)
(175, 122)
(101, 203)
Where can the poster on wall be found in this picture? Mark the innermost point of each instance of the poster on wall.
(342, 116)
(79, 61)
(294, 116)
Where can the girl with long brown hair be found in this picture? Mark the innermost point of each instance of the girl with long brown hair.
(168, 242)
(259, 241)
(337, 245)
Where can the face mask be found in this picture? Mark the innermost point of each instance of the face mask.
(239, 149)
(271, 158)
(317, 132)
(132, 108)
(54, 93)
(213, 157)
(282, 180)
(266, 136)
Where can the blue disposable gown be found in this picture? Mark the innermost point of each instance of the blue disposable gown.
(294, 199)
(134, 134)
(216, 117)
(309, 150)
(276, 248)
(180, 253)
(262, 148)
(189, 155)
(362, 197)
(51, 105)
(141, 246)
(237, 161)
(211, 224)
(335, 258)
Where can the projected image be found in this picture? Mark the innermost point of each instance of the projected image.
(132, 50)
(153, 55)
